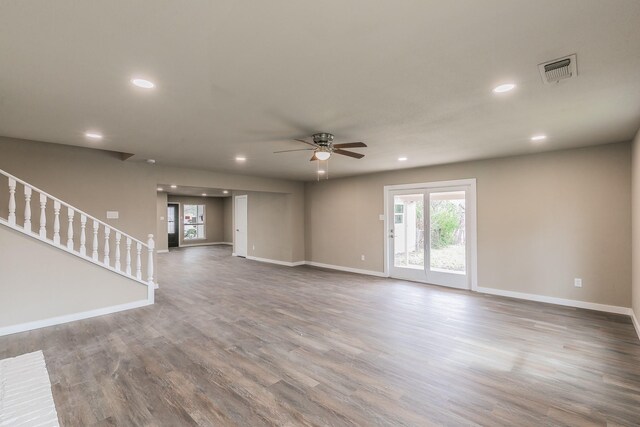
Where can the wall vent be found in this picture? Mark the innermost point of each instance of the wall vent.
(559, 69)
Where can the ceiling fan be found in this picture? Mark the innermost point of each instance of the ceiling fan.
(323, 147)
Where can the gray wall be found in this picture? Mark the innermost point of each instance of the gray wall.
(227, 206)
(58, 284)
(635, 185)
(543, 220)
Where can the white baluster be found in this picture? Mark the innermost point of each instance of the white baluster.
(128, 265)
(27, 208)
(56, 222)
(94, 255)
(71, 213)
(12, 201)
(151, 245)
(83, 235)
(107, 231)
(118, 236)
(138, 261)
(43, 216)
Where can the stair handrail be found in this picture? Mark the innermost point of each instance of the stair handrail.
(81, 212)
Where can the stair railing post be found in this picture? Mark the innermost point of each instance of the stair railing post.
(71, 214)
(138, 261)
(94, 254)
(43, 216)
(107, 232)
(151, 245)
(56, 222)
(128, 262)
(27, 208)
(118, 237)
(83, 235)
(12, 201)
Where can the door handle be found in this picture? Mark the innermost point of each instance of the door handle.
(391, 234)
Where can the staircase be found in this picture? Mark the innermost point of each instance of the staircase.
(67, 228)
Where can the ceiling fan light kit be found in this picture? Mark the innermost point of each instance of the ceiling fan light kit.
(323, 147)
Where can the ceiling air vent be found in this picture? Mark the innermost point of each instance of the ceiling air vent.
(559, 69)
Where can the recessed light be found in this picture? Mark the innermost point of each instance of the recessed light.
(93, 135)
(151, 161)
(145, 84)
(506, 87)
(320, 172)
(225, 192)
(240, 158)
(204, 194)
(402, 159)
(174, 186)
(538, 138)
(160, 189)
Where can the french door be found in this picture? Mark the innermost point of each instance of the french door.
(428, 233)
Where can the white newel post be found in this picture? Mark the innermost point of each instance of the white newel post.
(128, 264)
(138, 261)
(27, 208)
(43, 216)
(94, 254)
(71, 213)
(151, 245)
(83, 235)
(12, 201)
(118, 237)
(56, 222)
(107, 231)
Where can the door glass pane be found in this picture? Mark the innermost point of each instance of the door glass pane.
(408, 231)
(171, 227)
(448, 237)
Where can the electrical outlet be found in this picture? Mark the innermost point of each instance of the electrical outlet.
(577, 282)
(361, 257)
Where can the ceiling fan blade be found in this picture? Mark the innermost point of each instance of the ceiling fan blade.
(313, 157)
(349, 153)
(306, 142)
(350, 145)
(299, 149)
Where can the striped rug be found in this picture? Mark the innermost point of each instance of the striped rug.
(25, 392)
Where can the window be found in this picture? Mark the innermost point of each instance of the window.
(194, 222)
(398, 214)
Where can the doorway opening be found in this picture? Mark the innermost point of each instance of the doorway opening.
(431, 233)
(173, 214)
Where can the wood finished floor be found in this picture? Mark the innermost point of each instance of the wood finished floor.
(237, 342)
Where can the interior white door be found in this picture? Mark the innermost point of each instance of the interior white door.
(240, 221)
(428, 230)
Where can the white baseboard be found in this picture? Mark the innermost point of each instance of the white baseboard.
(636, 324)
(162, 251)
(558, 301)
(22, 327)
(275, 261)
(205, 244)
(347, 269)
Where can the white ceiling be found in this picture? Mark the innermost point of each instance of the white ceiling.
(407, 77)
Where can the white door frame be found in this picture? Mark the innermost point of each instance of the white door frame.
(235, 225)
(472, 237)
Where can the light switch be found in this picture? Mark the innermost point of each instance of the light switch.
(381, 217)
(113, 214)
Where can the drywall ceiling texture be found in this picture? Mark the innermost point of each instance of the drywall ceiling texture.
(408, 78)
(543, 220)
